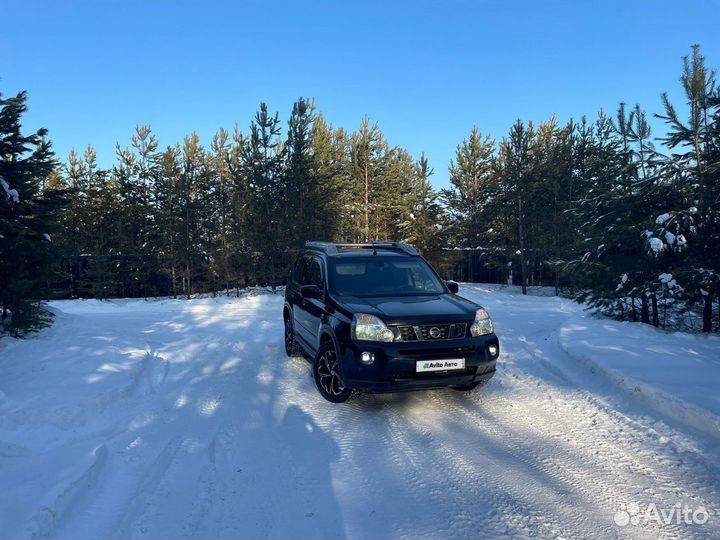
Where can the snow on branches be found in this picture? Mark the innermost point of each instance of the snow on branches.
(10, 194)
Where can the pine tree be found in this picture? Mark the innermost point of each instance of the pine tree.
(168, 215)
(392, 194)
(99, 221)
(426, 223)
(191, 185)
(615, 269)
(302, 197)
(218, 215)
(368, 159)
(330, 168)
(515, 165)
(28, 218)
(134, 176)
(690, 224)
(558, 183)
(260, 179)
(473, 187)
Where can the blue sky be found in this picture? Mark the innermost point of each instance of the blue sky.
(426, 71)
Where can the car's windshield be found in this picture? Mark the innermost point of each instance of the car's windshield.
(383, 276)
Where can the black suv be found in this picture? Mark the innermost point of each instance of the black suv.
(376, 317)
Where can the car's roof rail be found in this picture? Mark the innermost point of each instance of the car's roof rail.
(332, 248)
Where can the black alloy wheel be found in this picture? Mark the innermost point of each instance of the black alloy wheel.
(326, 372)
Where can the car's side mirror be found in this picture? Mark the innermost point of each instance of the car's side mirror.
(310, 291)
(452, 286)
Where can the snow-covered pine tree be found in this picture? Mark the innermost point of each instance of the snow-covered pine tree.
(608, 268)
(689, 224)
(28, 220)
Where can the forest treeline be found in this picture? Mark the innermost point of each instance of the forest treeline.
(601, 208)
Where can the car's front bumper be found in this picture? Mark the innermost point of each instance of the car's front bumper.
(393, 369)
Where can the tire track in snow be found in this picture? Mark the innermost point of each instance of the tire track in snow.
(206, 513)
(447, 480)
(600, 482)
(653, 459)
(630, 437)
(504, 457)
(144, 490)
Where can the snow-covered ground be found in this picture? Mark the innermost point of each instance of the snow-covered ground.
(181, 418)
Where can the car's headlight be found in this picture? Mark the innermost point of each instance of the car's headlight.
(482, 325)
(370, 328)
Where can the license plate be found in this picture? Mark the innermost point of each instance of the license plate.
(447, 364)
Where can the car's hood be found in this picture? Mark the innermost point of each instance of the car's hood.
(413, 309)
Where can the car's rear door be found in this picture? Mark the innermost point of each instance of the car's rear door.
(300, 303)
(315, 306)
(308, 311)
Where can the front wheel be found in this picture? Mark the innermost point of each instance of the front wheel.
(326, 372)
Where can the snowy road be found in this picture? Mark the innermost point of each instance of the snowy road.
(185, 419)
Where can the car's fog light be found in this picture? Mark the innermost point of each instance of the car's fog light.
(367, 358)
(493, 350)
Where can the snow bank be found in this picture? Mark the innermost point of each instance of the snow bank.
(678, 373)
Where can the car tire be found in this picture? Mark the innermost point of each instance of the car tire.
(291, 345)
(326, 375)
(468, 387)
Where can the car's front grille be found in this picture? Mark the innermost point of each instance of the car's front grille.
(407, 333)
(438, 331)
(432, 332)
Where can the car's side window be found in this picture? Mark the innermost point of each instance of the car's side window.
(309, 272)
(296, 269)
(315, 274)
(304, 271)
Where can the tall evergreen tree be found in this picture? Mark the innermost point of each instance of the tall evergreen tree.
(690, 223)
(169, 215)
(368, 159)
(219, 219)
(330, 169)
(303, 195)
(191, 188)
(609, 266)
(473, 187)
(516, 167)
(28, 218)
(260, 175)
(134, 176)
(426, 223)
